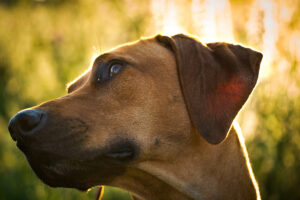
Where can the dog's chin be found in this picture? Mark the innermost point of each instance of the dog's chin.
(62, 173)
(58, 171)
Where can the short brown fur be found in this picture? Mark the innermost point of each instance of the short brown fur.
(144, 105)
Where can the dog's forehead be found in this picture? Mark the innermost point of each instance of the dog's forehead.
(141, 47)
(144, 54)
(138, 51)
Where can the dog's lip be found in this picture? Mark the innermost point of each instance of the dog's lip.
(21, 146)
(53, 179)
(59, 171)
(42, 161)
(49, 173)
(121, 151)
(121, 154)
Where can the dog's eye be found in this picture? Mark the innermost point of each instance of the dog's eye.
(114, 69)
(106, 71)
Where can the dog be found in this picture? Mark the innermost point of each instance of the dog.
(153, 117)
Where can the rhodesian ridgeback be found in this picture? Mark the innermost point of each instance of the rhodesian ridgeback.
(153, 117)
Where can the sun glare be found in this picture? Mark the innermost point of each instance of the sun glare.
(165, 15)
(263, 29)
(212, 21)
(260, 25)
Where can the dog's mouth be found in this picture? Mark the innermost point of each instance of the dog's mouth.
(66, 173)
(59, 171)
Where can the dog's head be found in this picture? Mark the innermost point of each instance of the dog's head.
(138, 102)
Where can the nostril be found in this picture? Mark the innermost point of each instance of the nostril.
(25, 122)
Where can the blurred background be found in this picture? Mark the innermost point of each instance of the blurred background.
(44, 44)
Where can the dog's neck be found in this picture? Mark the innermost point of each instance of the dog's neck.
(203, 171)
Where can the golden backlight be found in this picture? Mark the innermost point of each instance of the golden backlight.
(262, 22)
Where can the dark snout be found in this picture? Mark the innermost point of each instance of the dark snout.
(54, 146)
(26, 123)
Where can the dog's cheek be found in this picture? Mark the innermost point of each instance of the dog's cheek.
(171, 131)
(132, 88)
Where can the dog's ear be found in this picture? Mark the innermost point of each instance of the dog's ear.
(216, 81)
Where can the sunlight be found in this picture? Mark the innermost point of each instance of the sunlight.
(165, 17)
(212, 20)
(263, 30)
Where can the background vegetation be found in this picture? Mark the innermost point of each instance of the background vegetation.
(44, 44)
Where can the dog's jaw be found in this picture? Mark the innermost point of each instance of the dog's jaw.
(180, 180)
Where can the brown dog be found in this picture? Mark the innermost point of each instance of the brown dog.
(152, 117)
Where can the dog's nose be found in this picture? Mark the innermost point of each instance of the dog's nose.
(26, 123)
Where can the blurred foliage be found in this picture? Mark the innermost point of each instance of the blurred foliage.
(46, 43)
(271, 119)
(275, 149)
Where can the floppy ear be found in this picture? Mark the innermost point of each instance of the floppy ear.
(216, 81)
